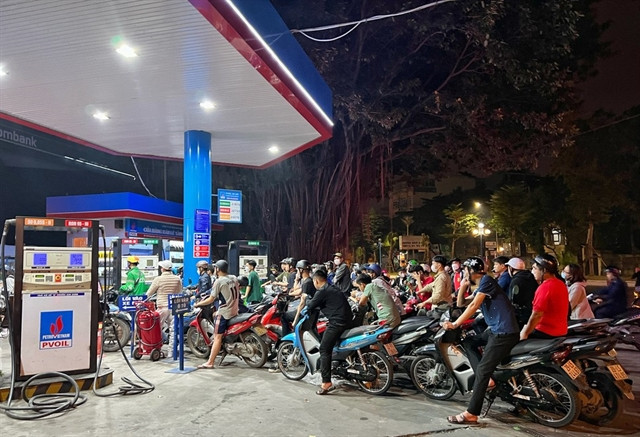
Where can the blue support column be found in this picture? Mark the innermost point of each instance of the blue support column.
(197, 201)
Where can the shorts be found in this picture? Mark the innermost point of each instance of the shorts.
(219, 324)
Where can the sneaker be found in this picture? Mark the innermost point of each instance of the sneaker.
(275, 369)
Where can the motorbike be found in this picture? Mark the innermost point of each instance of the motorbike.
(116, 326)
(242, 338)
(271, 319)
(594, 355)
(357, 357)
(626, 327)
(409, 335)
(548, 391)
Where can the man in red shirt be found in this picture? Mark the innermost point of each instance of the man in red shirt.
(550, 303)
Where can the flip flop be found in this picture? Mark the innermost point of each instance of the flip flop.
(460, 419)
(204, 366)
(325, 391)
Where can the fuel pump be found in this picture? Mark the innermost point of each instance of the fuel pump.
(55, 305)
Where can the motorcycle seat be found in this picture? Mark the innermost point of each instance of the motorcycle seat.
(239, 318)
(414, 325)
(358, 330)
(536, 345)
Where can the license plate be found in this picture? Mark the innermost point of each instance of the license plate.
(391, 348)
(572, 370)
(617, 371)
(260, 330)
(612, 353)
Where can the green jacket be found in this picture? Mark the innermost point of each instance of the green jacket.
(135, 285)
(256, 291)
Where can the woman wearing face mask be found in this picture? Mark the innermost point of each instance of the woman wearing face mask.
(575, 280)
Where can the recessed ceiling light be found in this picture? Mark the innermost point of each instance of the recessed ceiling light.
(3, 72)
(274, 149)
(99, 115)
(126, 51)
(207, 105)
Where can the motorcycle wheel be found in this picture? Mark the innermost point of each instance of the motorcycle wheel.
(290, 362)
(611, 400)
(116, 333)
(196, 343)
(564, 403)
(432, 379)
(379, 363)
(260, 350)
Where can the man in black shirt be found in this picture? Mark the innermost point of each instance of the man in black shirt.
(521, 290)
(333, 304)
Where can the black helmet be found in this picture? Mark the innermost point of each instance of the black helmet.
(549, 263)
(222, 265)
(440, 259)
(475, 263)
(303, 264)
(243, 281)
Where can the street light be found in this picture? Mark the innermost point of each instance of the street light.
(481, 231)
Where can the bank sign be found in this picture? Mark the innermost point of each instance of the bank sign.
(56, 329)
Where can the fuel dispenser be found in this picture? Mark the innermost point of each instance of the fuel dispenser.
(240, 251)
(55, 305)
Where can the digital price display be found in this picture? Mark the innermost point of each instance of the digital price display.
(75, 259)
(39, 259)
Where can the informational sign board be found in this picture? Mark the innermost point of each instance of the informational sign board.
(179, 304)
(412, 242)
(229, 206)
(128, 303)
(202, 220)
(201, 244)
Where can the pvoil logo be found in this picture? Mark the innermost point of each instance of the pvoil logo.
(56, 329)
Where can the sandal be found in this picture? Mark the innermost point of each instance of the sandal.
(204, 366)
(325, 391)
(461, 419)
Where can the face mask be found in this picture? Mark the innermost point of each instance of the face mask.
(564, 276)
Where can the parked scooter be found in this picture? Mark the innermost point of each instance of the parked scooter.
(116, 326)
(546, 391)
(242, 338)
(358, 356)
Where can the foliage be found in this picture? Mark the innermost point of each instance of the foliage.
(460, 224)
(422, 93)
(511, 208)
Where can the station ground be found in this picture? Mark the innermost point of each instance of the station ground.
(235, 400)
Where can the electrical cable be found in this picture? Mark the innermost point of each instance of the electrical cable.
(42, 405)
(140, 177)
(131, 388)
(355, 24)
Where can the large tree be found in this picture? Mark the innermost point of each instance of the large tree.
(464, 86)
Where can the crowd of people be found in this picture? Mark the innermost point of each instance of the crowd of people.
(517, 302)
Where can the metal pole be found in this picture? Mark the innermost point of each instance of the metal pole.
(380, 252)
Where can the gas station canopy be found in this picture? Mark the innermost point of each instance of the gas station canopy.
(130, 77)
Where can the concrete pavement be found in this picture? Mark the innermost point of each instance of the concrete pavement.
(235, 400)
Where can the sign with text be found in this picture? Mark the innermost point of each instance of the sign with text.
(148, 229)
(128, 303)
(412, 242)
(201, 242)
(229, 206)
(202, 219)
(179, 304)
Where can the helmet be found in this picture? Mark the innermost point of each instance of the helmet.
(202, 263)
(328, 264)
(222, 265)
(291, 261)
(243, 281)
(303, 264)
(166, 264)
(440, 259)
(516, 263)
(133, 259)
(613, 270)
(415, 268)
(375, 268)
(547, 262)
(413, 262)
(475, 263)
